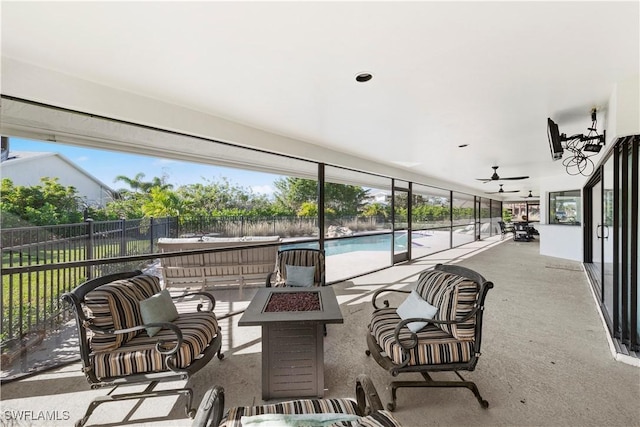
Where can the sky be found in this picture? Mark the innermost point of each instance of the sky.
(107, 165)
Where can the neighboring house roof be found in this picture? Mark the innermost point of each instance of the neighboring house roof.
(26, 157)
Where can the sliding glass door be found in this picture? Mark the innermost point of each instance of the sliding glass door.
(611, 240)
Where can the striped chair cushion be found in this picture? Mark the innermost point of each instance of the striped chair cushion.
(376, 419)
(234, 416)
(455, 297)
(299, 257)
(140, 356)
(302, 406)
(434, 347)
(116, 305)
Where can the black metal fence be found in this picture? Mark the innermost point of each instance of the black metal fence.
(30, 296)
(30, 299)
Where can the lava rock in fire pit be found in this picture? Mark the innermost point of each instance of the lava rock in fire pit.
(293, 301)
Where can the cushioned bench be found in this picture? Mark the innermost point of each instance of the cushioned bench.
(211, 268)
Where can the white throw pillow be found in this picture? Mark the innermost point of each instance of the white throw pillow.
(299, 276)
(158, 309)
(414, 306)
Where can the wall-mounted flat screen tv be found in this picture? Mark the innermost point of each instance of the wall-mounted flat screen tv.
(555, 140)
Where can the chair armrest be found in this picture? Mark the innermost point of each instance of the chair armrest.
(211, 408)
(268, 281)
(367, 396)
(385, 302)
(202, 294)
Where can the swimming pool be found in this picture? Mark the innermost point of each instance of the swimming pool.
(378, 242)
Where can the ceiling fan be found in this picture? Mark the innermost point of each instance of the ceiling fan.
(496, 177)
(502, 191)
(530, 196)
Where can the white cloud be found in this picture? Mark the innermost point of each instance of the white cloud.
(263, 189)
(82, 159)
(160, 162)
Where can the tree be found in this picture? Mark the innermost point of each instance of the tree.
(138, 185)
(342, 199)
(161, 202)
(46, 204)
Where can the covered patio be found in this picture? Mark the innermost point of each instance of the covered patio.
(546, 358)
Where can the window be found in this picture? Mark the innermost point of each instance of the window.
(565, 207)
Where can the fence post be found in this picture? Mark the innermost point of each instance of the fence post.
(89, 247)
(151, 222)
(123, 241)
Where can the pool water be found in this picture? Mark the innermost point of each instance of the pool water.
(361, 243)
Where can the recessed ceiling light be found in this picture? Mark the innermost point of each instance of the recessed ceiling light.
(463, 145)
(364, 77)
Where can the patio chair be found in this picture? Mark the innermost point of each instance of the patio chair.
(504, 229)
(449, 301)
(294, 268)
(365, 410)
(117, 347)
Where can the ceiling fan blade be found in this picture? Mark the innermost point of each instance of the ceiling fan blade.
(502, 191)
(484, 180)
(514, 178)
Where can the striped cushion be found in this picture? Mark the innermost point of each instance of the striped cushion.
(434, 345)
(140, 356)
(454, 296)
(376, 419)
(303, 258)
(301, 406)
(116, 305)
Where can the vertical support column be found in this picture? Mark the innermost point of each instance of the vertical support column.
(321, 178)
(151, 234)
(89, 247)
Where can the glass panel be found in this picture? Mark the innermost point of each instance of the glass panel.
(565, 207)
(533, 212)
(496, 216)
(463, 219)
(357, 208)
(485, 218)
(607, 235)
(431, 220)
(401, 237)
(597, 234)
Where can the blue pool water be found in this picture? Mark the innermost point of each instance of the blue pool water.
(362, 243)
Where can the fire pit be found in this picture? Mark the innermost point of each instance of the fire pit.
(293, 301)
(293, 322)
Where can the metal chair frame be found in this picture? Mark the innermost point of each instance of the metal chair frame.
(75, 302)
(375, 350)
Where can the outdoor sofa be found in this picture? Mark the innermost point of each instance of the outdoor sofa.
(249, 258)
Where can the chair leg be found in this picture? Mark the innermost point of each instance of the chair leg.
(148, 392)
(429, 382)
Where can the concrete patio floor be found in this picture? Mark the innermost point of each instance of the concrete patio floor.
(546, 358)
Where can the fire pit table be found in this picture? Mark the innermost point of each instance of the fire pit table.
(292, 321)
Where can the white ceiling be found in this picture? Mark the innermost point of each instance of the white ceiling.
(487, 74)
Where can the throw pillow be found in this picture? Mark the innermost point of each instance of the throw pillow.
(157, 309)
(299, 276)
(415, 306)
